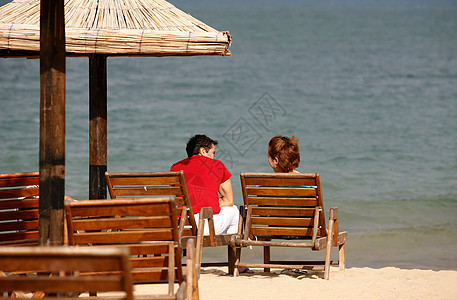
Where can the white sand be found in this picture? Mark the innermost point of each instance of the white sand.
(353, 283)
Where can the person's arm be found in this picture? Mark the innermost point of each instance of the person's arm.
(226, 192)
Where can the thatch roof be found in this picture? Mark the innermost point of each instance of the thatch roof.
(112, 27)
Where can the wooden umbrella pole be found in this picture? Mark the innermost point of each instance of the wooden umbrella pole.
(52, 123)
(97, 126)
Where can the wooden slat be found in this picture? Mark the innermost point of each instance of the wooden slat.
(282, 201)
(62, 284)
(149, 262)
(281, 181)
(286, 181)
(19, 193)
(124, 223)
(19, 214)
(124, 236)
(21, 235)
(21, 225)
(281, 191)
(27, 242)
(284, 221)
(19, 179)
(145, 191)
(292, 231)
(23, 203)
(53, 264)
(187, 232)
(143, 179)
(283, 211)
(18, 182)
(157, 201)
(151, 249)
(150, 275)
(120, 210)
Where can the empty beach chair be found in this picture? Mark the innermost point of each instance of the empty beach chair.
(148, 227)
(19, 194)
(58, 272)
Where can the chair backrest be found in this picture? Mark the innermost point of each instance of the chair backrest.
(147, 226)
(19, 208)
(155, 184)
(283, 205)
(109, 270)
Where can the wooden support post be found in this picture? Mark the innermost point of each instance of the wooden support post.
(266, 257)
(231, 257)
(97, 126)
(52, 123)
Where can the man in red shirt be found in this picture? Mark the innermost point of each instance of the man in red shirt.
(206, 178)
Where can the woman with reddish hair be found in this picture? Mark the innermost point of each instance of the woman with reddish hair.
(283, 154)
(284, 157)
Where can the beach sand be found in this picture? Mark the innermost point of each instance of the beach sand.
(352, 283)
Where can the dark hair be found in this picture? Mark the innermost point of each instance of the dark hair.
(285, 149)
(199, 141)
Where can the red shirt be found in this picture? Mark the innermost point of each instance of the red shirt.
(204, 176)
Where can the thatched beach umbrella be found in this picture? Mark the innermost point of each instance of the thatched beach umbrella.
(97, 29)
(112, 27)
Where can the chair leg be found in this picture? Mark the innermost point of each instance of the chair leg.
(192, 276)
(328, 255)
(266, 257)
(327, 260)
(236, 271)
(342, 259)
(199, 244)
(231, 257)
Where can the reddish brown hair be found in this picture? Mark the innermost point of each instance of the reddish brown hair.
(286, 150)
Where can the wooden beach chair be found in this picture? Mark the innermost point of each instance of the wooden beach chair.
(148, 227)
(19, 194)
(287, 210)
(173, 183)
(64, 272)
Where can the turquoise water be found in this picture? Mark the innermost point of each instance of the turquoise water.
(370, 90)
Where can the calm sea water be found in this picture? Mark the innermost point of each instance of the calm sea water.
(370, 90)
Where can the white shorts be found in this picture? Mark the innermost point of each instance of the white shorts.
(225, 222)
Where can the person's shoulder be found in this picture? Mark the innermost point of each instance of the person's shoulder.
(215, 161)
(179, 163)
(219, 164)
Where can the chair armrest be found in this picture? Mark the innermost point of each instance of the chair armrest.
(333, 217)
(206, 213)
